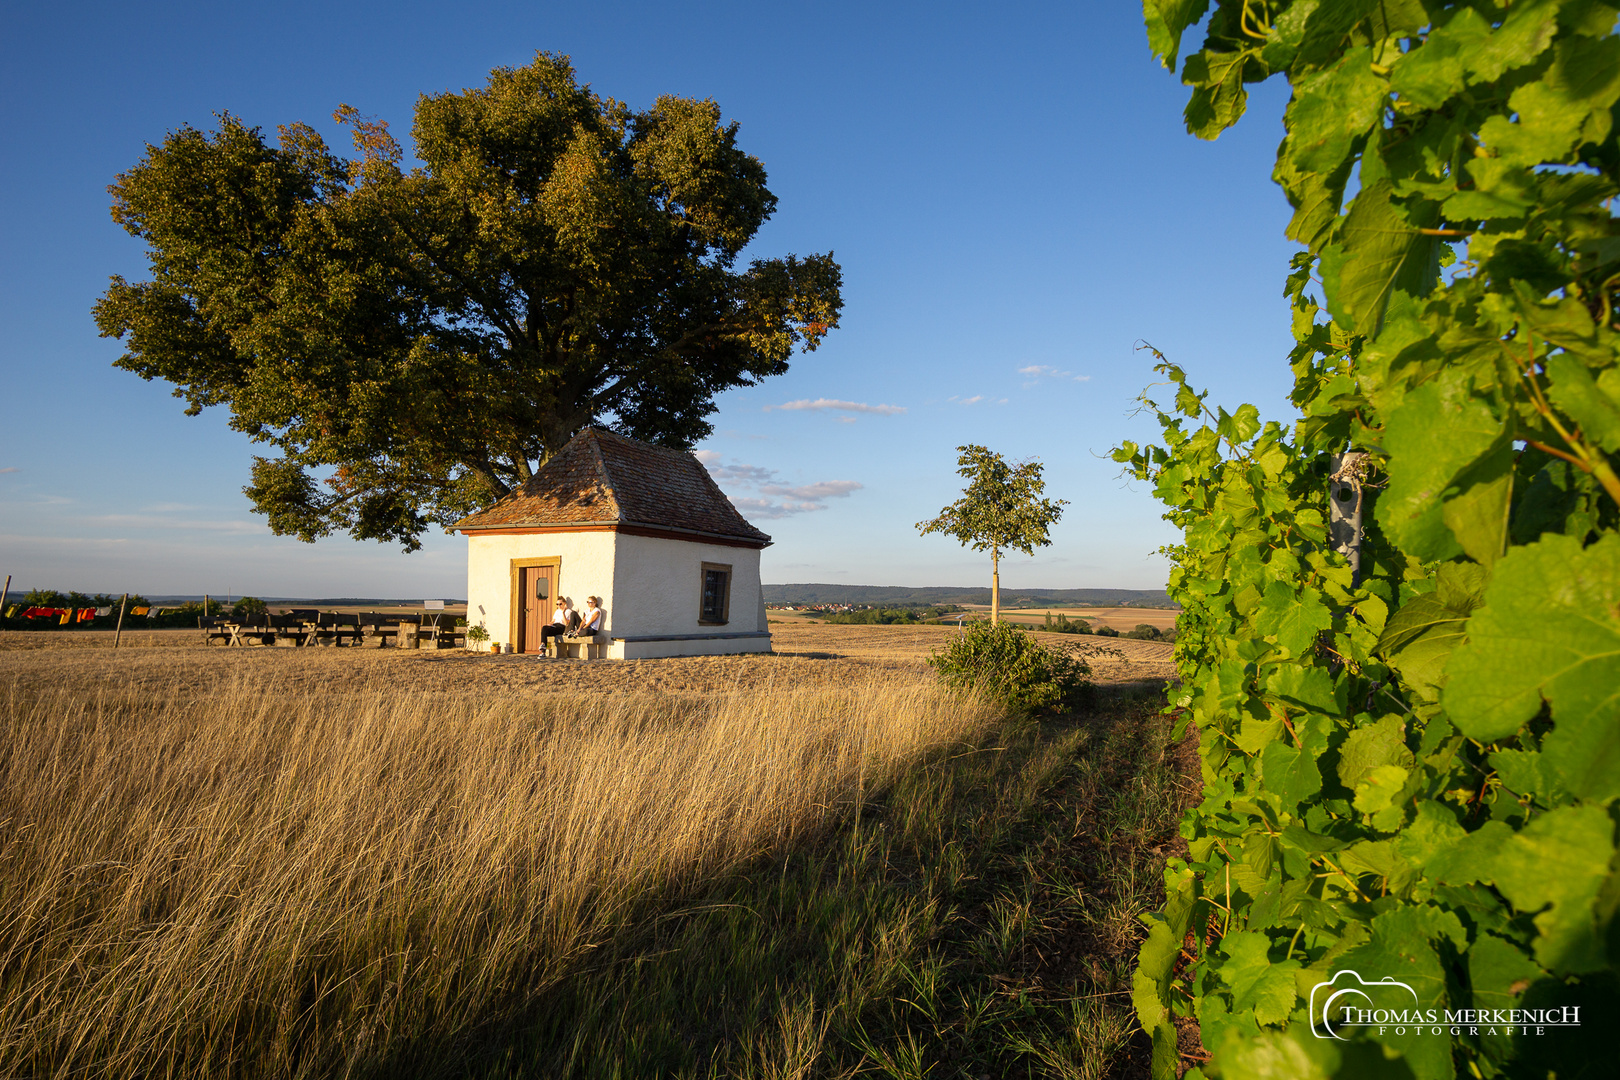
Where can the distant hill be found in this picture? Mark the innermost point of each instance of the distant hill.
(939, 594)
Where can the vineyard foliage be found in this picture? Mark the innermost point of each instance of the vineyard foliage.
(1410, 772)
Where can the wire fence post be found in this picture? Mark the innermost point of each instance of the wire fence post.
(1345, 496)
(119, 633)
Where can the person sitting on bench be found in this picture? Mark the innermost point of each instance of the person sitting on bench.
(563, 620)
(592, 621)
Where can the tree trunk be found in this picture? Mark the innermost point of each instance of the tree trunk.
(995, 586)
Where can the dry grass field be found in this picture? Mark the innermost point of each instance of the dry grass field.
(360, 862)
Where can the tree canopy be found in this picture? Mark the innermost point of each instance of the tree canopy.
(1001, 509)
(414, 341)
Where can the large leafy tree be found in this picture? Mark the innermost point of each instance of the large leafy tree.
(413, 342)
(1001, 509)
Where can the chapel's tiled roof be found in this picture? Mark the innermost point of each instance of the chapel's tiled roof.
(601, 478)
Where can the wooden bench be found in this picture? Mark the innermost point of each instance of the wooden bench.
(335, 628)
(216, 628)
(580, 648)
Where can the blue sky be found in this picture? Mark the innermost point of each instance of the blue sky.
(1008, 188)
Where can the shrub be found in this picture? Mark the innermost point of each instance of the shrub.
(248, 605)
(1001, 660)
(1106, 631)
(1145, 632)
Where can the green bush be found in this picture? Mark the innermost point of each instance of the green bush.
(1003, 661)
(1145, 632)
(248, 605)
(1065, 625)
(1106, 631)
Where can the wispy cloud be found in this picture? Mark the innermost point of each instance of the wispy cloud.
(10, 468)
(1037, 372)
(741, 474)
(785, 500)
(835, 405)
(827, 489)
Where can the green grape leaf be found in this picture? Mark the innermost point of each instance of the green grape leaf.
(1401, 948)
(1434, 73)
(1331, 109)
(1526, 772)
(1418, 639)
(1433, 828)
(1290, 772)
(1468, 859)
(1302, 687)
(1379, 857)
(1568, 107)
(1549, 629)
(1293, 618)
(1499, 971)
(1283, 1055)
(1577, 395)
(1379, 250)
(1523, 36)
(1218, 98)
(1556, 865)
(1379, 788)
(1166, 21)
(1370, 747)
(1584, 758)
(1480, 513)
(1258, 982)
(1439, 430)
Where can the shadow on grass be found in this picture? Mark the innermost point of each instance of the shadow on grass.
(979, 920)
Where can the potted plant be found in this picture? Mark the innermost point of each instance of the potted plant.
(476, 636)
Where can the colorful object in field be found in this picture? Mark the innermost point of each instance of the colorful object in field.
(11, 612)
(139, 611)
(87, 614)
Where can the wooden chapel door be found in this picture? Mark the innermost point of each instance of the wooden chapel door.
(536, 597)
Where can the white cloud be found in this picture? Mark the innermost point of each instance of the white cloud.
(1037, 372)
(974, 400)
(10, 468)
(826, 489)
(741, 474)
(800, 499)
(822, 404)
(708, 457)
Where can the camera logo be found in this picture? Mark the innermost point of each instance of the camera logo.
(1348, 1001)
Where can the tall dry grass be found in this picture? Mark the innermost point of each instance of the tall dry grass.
(259, 882)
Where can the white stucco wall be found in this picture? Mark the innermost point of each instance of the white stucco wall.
(649, 586)
(659, 583)
(587, 569)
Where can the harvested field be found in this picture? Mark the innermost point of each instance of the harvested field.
(806, 655)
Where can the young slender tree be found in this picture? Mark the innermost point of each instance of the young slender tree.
(414, 340)
(1001, 509)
